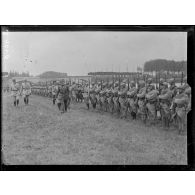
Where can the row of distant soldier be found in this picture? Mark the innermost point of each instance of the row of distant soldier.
(168, 102)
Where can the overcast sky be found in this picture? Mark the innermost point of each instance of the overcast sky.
(78, 53)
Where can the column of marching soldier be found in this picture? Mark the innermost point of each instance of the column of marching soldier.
(167, 103)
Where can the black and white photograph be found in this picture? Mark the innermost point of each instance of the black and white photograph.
(95, 97)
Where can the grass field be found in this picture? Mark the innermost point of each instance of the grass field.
(38, 134)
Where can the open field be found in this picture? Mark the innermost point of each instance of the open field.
(39, 134)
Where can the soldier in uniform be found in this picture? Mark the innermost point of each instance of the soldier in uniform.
(97, 93)
(122, 100)
(131, 99)
(165, 98)
(151, 103)
(26, 90)
(15, 89)
(103, 99)
(60, 97)
(67, 99)
(161, 86)
(116, 98)
(109, 94)
(92, 97)
(54, 89)
(187, 91)
(180, 102)
(149, 83)
(141, 101)
(173, 87)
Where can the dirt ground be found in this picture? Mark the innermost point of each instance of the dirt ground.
(38, 134)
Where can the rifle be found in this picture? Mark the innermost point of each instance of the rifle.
(159, 82)
(112, 81)
(182, 78)
(88, 87)
(156, 79)
(119, 82)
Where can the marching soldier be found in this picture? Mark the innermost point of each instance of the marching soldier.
(131, 99)
(63, 96)
(86, 95)
(149, 83)
(161, 86)
(92, 97)
(60, 97)
(97, 93)
(109, 94)
(122, 100)
(151, 103)
(15, 89)
(54, 89)
(26, 90)
(173, 87)
(103, 100)
(141, 101)
(165, 102)
(116, 98)
(180, 103)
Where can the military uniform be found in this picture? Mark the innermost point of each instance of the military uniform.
(173, 87)
(181, 102)
(132, 100)
(122, 100)
(116, 99)
(165, 102)
(62, 98)
(92, 97)
(15, 89)
(26, 91)
(151, 103)
(109, 94)
(54, 89)
(103, 99)
(141, 101)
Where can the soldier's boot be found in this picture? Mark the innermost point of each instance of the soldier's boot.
(17, 102)
(59, 105)
(87, 106)
(53, 101)
(14, 102)
(133, 115)
(144, 119)
(24, 100)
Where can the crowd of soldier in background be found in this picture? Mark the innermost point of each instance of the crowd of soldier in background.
(166, 102)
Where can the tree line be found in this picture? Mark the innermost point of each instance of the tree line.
(17, 74)
(159, 65)
(52, 74)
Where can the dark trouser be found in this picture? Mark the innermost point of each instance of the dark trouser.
(26, 99)
(65, 104)
(54, 99)
(16, 101)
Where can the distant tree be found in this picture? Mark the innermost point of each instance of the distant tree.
(164, 65)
